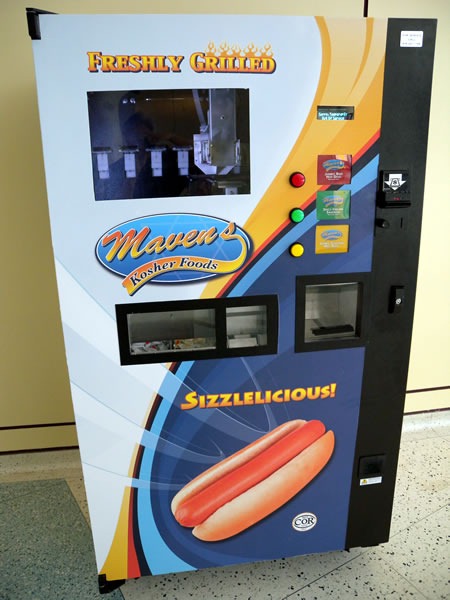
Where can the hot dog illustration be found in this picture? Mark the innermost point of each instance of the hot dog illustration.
(251, 484)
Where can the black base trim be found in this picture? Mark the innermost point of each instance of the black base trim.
(106, 587)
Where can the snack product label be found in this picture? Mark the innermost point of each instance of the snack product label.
(334, 169)
(332, 239)
(333, 205)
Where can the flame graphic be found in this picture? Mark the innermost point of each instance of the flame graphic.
(235, 50)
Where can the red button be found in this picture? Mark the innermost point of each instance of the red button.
(297, 179)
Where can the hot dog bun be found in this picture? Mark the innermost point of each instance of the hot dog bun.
(203, 504)
(265, 497)
(252, 483)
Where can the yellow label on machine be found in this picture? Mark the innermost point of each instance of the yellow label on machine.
(332, 239)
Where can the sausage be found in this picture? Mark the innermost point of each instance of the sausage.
(254, 482)
(200, 506)
(228, 464)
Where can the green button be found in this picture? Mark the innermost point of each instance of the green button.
(297, 215)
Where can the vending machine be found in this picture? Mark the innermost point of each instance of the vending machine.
(235, 206)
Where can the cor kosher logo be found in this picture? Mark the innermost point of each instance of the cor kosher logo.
(304, 521)
(172, 248)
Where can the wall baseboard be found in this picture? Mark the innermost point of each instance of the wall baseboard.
(52, 436)
(38, 437)
(425, 400)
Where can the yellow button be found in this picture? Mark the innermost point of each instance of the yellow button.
(296, 250)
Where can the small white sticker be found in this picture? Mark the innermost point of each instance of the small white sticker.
(411, 39)
(370, 480)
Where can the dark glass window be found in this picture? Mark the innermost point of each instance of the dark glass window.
(330, 311)
(197, 329)
(169, 143)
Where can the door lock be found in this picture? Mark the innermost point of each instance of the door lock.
(396, 298)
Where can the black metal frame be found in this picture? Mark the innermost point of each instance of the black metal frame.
(220, 351)
(106, 586)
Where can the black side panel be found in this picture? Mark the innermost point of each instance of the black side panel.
(404, 131)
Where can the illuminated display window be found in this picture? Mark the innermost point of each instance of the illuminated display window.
(335, 113)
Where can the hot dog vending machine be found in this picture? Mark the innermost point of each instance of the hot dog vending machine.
(235, 205)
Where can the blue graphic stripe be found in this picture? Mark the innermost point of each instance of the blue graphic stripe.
(158, 555)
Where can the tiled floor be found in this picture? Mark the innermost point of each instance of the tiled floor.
(413, 564)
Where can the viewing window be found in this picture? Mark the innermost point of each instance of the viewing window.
(169, 143)
(197, 329)
(329, 311)
(171, 331)
(246, 326)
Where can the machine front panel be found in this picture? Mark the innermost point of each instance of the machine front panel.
(212, 197)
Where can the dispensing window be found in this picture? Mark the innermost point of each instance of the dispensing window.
(197, 329)
(246, 326)
(329, 311)
(171, 331)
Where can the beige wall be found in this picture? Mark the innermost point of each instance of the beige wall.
(34, 387)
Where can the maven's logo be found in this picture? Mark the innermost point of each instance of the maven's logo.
(333, 201)
(334, 164)
(172, 248)
(331, 234)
